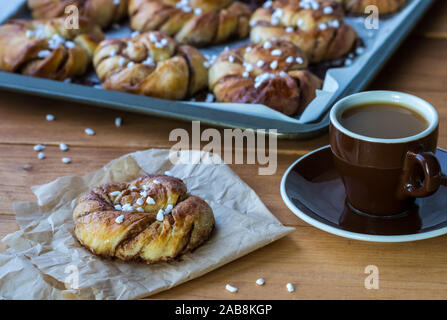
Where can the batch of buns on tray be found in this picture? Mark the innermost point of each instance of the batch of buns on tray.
(160, 58)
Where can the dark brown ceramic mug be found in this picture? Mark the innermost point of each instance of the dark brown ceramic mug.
(382, 177)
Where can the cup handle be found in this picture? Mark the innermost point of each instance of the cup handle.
(411, 184)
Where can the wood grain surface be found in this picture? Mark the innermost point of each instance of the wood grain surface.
(320, 265)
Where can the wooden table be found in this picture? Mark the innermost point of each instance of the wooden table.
(320, 265)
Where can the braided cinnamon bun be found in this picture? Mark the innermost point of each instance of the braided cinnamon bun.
(316, 27)
(272, 73)
(195, 22)
(45, 48)
(151, 64)
(150, 219)
(103, 12)
(384, 6)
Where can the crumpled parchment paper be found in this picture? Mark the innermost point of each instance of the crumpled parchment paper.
(45, 261)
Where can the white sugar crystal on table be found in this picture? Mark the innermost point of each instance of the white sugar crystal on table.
(63, 147)
(118, 122)
(49, 117)
(140, 201)
(276, 52)
(274, 65)
(260, 282)
(41, 155)
(118, 207)
(290, 59)
(160, 215)
(290, 287)
(230, 288)
(89, 131)
(66, 160)
(120, 219)
(299, 60)
(39, 147)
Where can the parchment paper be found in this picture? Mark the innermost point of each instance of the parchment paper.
(44, 252)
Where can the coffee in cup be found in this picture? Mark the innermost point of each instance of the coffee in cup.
(383, 145)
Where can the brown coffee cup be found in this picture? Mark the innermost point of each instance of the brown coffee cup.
(382, 177)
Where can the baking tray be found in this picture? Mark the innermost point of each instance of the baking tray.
(338, 82)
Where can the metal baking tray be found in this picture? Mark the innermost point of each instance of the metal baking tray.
(338, 82)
